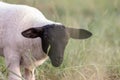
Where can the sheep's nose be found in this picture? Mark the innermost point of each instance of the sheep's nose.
(57, 61)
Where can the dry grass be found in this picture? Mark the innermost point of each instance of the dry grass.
(96, 58)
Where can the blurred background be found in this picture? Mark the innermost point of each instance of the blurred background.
(96, 58)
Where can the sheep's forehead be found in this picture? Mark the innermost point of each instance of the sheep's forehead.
(58, 32)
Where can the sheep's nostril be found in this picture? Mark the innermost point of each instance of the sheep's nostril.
(59, 59)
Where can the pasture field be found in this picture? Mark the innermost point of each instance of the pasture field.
(96, 58)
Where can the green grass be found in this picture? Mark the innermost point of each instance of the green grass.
(97, 58)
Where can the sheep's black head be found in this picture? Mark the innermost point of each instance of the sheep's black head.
(56, 36)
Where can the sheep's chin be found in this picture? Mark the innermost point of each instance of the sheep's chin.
(56, 64)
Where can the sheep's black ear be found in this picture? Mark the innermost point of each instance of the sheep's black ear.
(78, 33)
(32, 32)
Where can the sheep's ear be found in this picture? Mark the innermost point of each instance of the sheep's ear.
(32, 32)
(79, 33)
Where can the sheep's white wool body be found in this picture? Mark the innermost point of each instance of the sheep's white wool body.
(13, 20)
(18, 50)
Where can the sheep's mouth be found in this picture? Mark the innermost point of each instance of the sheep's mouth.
(56, 62)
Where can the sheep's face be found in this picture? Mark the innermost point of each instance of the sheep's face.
(56, 36)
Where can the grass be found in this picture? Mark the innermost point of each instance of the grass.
(96, 58)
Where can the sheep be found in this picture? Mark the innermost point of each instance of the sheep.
(28, 38)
